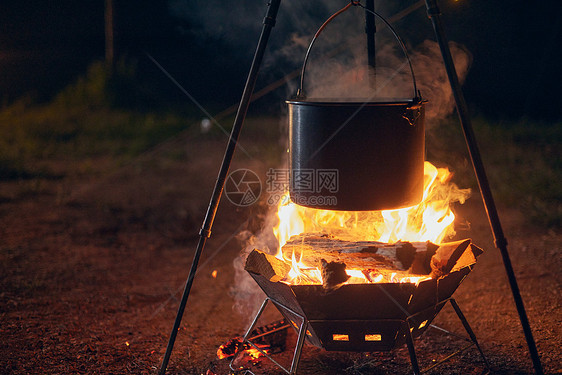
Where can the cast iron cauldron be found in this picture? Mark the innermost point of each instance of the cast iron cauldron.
(356, 155)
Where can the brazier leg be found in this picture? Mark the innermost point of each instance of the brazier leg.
(468, 330)
(245, 339)
(411, 350)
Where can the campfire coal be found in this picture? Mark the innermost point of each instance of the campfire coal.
(270, 338)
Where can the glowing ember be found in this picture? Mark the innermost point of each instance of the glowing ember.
(269, 338)
(229, 349)
(254, 353)
(430, 220)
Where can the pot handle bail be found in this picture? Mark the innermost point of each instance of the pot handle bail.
(300, 91)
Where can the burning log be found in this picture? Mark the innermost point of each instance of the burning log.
(333, 274)
(399, 256)
(266, 265)
(450, 256)
(339, 261)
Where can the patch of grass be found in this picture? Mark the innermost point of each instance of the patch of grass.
(51, 131)
(107, 87)
(88, 118)
(523, 162)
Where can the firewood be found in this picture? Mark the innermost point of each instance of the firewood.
(406, 254)
(266, 265)
(399, 256)
(468, 257)
(421, 265)
(333, 274)
(446, 257)
(374, 259)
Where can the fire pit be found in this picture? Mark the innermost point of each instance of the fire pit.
(385, 315)
(391, 266)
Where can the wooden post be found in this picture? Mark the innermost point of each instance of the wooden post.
(109, 33)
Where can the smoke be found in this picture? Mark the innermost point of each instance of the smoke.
(337, 65)
(346, 77)
(247, 295)
(238, 25)
(432, 77)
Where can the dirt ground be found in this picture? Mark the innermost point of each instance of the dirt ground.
(93, 265)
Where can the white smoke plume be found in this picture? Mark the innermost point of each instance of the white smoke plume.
(349, 80)
(247, 295)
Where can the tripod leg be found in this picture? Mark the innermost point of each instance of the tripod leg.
(499, 239)
(268, 23)
(298, 348)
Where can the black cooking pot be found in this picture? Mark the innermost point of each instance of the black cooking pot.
(356, 155)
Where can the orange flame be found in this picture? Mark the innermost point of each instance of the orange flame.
(254, 353)
(231, 348)
(430, 220)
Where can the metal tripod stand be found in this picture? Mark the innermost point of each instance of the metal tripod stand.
(466, 124)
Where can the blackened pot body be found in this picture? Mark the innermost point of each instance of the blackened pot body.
(356, 156)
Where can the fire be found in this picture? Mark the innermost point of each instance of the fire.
(301, 273)
(232, 347)
(363, 277)
(254, 353)
(431, 220)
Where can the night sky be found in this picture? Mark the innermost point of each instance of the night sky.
(207, 46)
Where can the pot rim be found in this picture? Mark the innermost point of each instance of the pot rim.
(353, 102)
